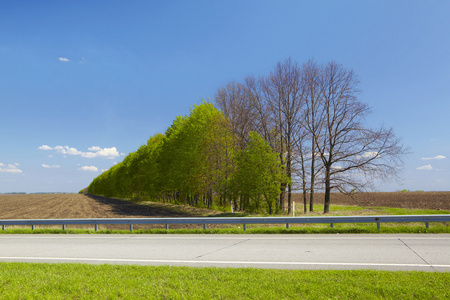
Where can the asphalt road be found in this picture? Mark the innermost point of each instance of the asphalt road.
(382, 252)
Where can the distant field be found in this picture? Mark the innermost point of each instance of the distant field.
(413, 200)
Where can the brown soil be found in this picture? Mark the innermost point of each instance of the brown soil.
(72, 206)
(67, 206)
(412, 200)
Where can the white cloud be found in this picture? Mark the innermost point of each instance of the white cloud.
(337, 167)
(10, 168)
(63, 59)
(95, 151)
(436, 157)
(99, 152)
(370, 154)
(89, 168)
(45, 147)
(52, 166)
(426, 167)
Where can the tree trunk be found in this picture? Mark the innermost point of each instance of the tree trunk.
(304, 201)
(289, 174)
(326, 207)
(289, 198)
(313, 177)
(281, 202)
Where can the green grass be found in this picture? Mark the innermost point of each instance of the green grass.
(258, 229)
(405, 211)
(349, 210)
(77, 281)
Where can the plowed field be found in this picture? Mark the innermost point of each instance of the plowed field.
(413, 200)
(67, 206)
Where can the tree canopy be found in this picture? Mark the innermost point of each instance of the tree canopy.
(197, 162)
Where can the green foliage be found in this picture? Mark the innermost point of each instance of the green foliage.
(196, 163)
(259, 175)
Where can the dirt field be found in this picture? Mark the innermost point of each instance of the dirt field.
(66, 206)
(417, 200)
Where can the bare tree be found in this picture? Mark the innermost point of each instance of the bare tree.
(261, 121)
(313, 120)
(284, 94)
(231, 99)
(301, 160)
(349, 151)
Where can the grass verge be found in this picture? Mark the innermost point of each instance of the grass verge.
(79, 281)
(316, 229)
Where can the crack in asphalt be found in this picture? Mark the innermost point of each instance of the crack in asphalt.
(237, 243)
(417, 254)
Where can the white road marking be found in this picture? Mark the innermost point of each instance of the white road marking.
(78, 259)
(243, 237)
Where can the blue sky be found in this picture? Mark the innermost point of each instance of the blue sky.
(83, 83)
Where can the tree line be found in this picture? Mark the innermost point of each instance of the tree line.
(197, 162)
(301, 128)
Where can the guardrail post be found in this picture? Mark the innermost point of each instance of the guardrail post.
(287, 225)
(131, 227)
(204, 226)
(64, 227)
(3, 227)
(426, 225)
(245, 227)
(331, 225)
(96, 227)
(378, 226)
(32, 227)
(167, 226)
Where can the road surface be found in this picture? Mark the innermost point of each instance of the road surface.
(422, 252)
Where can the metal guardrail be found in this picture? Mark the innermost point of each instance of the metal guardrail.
(240, 220)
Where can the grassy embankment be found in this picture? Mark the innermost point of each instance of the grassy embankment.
(76, 281)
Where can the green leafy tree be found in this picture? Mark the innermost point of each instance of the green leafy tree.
(196, 163)
(259, 175)
(195, 155)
